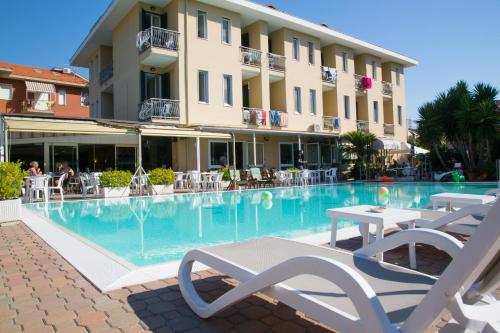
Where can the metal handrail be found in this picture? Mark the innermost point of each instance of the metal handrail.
(159, 108)
(358, 82)
(106, 73)
(251, 116)
(363, 126)
(250, 56)
(157, 37)
(276, 62)
(329, 74)
(331, 123)
(278, 118)
(386, 88)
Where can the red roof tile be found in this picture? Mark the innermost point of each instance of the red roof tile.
(55, 75)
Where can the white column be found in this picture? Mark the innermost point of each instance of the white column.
(300, 143)
(254, 150)
(198, 165)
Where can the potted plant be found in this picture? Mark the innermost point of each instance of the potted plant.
(226, 177)
(116, 183)
(162, 181)
(11, 183)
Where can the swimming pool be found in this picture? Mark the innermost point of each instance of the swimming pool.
(151, 230)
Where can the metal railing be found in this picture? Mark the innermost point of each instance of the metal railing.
(157, 37)
(33, 105)
(329, 74)
(388, 129)
(331, 123)
(254, 116)
(276, 62)
(106, 73)
(363, 126)
(386, 88)
(358, 82)
(278, 118)
(158, 108)
(250, 56)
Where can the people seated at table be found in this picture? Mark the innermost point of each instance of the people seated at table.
(34, 169)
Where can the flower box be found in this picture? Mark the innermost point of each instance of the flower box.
(10, 210)
(162, 189)
(116, 192)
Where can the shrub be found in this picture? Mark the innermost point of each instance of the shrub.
(226, 174)
(160, 176)
(117, 178)
(293, 169)
(11, 180)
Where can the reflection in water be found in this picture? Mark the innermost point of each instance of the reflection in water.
(157, 229)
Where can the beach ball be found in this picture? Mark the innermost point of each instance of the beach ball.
(383, 191)
(267, 204)
(267, 196)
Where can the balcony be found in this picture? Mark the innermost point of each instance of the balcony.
(37, 106)
(387, 89)
(363, 126)
(106, 74)
(277, 67)
(389, 129)
(252, 61)
(358, 83)
(159, 109)
(158, 46)
(278, 118)
(329, 77)
(254, 116)
(331, 123)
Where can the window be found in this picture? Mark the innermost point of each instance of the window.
(84, 97)
(312, 155)
(259, 155)
(152, 20)
(374, 70)
(347, 107)
(312, 101)
(226, 30)
(152, 85)
(228, 89)
(400, 115)
(286, 155)
(375, 111)
(296, 49)
(61, 97)
(202, 24)
(297, 94)
(345, 64)
(218, 152)
(310, 51)
(6, 91)
(398, 77)
(203, 86)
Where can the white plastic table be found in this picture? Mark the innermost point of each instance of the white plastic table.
(363, 215)
(459, 199)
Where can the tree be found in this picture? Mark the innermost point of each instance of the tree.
(430, 129)
(360, 147)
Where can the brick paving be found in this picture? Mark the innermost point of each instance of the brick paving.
(41, 292)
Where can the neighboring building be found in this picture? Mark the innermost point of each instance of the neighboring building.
(205, 74)
(34, 90)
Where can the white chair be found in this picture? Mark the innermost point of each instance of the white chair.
(37, 185)
(179, 180)
(58, 187)
(88, 185)
(352, 292)
(331, 176)
(305, 178)
(195, 180)
(217, 181)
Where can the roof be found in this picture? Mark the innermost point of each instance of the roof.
(55, 75)
(101, 31)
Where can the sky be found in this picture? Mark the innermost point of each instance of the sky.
(452, 39)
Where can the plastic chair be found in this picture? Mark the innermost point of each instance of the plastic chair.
(58, 187)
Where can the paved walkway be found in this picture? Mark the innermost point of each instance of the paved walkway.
(41, 292)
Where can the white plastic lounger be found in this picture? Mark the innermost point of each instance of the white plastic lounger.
(463, 221)
(351, 292)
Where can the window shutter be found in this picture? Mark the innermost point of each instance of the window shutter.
(144, 20)
(164, 21)
(165, 86)
(143, 86)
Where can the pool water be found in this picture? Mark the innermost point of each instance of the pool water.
(152, 230)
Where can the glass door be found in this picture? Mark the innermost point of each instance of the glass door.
(125, 158)
(152, 86)
(63, 155)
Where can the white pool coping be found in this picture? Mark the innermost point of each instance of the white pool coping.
(108, 272)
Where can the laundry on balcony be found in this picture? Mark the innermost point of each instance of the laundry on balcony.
(278, 118)
(329, 74)
(366, 82)
(254, 117)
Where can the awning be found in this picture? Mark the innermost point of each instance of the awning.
(388, 144)
(181, 132)
(417, 150)
(42, 87)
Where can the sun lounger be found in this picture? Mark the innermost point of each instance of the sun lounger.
(352, 292)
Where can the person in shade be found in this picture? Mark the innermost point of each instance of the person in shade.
(301, 162)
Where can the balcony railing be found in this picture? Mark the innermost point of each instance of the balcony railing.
(358, 82)
(254, 116)
(157, 37)
(331, 123)
(389, 129)
(250, 56)
(387, 88)
(363, 126)
(158, 108)
(106, 74)
(33, 105)
(329, 74)
(276, 62)
(278, 118)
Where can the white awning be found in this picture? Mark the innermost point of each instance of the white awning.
(417, 150)
(42, 87)
(386, 144)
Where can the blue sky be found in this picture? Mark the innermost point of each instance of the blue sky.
(451, 39)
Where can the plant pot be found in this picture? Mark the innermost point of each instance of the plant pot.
(116, 192)
(162, 189)
(10, 210)
(225, 184)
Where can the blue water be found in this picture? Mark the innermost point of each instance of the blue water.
(152, 230)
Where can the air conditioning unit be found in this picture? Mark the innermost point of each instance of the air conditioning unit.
(316, 128)
(67, 71)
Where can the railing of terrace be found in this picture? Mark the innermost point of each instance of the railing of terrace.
(276, 62)
(386, 88)
(329, 74)
(363, 126)
(250, 56)
(254, 116)
(388, 129)
(106, 74)
(278, 118)
(157, 37)
(158, 108)
(358, 82)
(331, 123)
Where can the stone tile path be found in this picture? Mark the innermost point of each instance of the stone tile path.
(41, 292)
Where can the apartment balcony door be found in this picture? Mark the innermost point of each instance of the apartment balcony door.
(64, 154)
(240, 155)
(155, 85)
(246, 96)
(245, 39)
(150, 19)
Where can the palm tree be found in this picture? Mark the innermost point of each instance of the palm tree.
(430, 128)
(360, 146)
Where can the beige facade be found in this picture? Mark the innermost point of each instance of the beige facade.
(174, 62)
